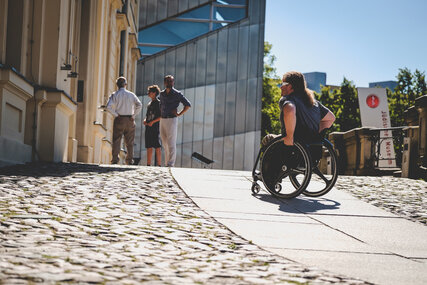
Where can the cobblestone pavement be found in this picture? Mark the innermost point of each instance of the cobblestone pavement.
(401, 196)
(124, 225)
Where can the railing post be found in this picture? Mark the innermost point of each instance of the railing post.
(410, 152)
(421, 105)
(337, 139)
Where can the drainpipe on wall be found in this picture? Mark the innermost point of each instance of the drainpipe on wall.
(34, 154)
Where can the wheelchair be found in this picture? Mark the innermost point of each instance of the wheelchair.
(286, 171)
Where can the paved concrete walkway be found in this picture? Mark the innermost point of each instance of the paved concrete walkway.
(336, 232)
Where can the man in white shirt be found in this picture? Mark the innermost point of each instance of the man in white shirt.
(124, 105)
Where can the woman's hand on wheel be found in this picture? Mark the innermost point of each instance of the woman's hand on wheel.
(288, 140)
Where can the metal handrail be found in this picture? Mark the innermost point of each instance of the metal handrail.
(377, 140)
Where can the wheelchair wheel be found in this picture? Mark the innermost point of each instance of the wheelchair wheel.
(255, 188)
(279, 163)
(322, 182)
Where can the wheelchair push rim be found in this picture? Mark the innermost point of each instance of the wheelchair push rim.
(280, 162)
(321, 181)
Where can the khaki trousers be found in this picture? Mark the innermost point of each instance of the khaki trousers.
(168, 133)
(123, 126)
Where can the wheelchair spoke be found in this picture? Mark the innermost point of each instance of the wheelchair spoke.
(320, 174)
(297, 171)
(285, 174)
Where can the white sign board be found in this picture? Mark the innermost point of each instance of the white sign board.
(374, 113)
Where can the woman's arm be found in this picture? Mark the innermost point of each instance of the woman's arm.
(290, 119)
(327, 121)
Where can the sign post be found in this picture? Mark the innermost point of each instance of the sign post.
(374, 113)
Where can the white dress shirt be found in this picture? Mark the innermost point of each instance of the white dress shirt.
(123, 102)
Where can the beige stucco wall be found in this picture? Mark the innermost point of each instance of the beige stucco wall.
(14, 93)
(40, 107)
(102, 70)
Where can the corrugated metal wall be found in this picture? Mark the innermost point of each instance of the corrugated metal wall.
(221, 74)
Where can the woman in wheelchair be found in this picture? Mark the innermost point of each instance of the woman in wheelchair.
(288, 160)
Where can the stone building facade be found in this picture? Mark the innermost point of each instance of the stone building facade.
(58, 63)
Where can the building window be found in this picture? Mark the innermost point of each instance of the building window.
(190, 25)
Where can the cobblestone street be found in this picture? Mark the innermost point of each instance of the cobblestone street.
(401, 196)
(100, 224)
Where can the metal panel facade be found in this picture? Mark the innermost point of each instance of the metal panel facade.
(221, 74)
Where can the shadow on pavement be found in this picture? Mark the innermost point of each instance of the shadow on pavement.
(42, 169)
(300, 204)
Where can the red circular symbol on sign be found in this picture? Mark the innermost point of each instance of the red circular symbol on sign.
(373, 101)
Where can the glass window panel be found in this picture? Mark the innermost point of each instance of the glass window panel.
(217, 26)
(229, 14)
(233, 2)
(159, 34)
(188, 30)
(172, 32)
(151, 50)
(200, 13)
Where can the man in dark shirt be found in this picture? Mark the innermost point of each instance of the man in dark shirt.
(151, 122)
(170, 98)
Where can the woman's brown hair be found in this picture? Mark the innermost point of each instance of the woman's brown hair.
(297, 80)
(154, 88)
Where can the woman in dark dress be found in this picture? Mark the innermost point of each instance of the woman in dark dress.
(151, 122)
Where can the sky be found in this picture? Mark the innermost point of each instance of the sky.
(361, 40)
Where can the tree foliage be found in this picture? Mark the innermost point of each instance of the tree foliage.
(270, 123)
(409, 87)
(343, 102)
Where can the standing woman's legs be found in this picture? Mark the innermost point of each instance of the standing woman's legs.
(149, 155)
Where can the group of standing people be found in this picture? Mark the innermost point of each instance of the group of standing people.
(161, 121)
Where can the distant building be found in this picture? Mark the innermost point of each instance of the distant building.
(315, 80)
(384, 84)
